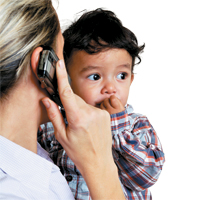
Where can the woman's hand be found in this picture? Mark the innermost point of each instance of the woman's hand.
(87, 139)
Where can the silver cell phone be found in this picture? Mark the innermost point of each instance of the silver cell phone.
(47, 73)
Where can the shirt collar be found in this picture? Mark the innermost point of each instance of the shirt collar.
(25, 166)
(129, 108)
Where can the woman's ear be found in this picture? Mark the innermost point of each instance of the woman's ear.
(35, 57)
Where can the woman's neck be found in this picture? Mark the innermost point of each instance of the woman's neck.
(18, 124)
(20, 118)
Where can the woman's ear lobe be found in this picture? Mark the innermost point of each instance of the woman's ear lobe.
(35, 57)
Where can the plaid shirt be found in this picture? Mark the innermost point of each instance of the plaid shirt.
(137, 153)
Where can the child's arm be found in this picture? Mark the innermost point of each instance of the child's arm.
(137, 150)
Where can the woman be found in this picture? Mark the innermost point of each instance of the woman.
(26, 172)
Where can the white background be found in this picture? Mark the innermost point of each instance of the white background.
(166, 84)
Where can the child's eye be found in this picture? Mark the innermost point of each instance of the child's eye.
(122, 75)
(94, 77)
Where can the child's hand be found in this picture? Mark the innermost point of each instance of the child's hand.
(112, 105)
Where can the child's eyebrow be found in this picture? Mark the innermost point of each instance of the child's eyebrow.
(88, 68)
(128, 66)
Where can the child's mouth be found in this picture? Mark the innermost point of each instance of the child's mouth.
(98, 105)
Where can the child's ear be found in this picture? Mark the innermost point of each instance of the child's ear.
(35, 57)
(132, 77)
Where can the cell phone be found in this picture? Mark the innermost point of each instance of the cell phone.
(47, 73)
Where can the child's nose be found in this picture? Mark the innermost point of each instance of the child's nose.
(109, 88)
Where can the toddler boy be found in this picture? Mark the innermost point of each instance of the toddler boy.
(100, 55)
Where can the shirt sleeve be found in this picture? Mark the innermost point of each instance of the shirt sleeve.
(137, 150)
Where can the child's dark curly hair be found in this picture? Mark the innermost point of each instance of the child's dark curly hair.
(97, 31)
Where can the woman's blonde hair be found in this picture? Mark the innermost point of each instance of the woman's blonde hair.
(24, 25)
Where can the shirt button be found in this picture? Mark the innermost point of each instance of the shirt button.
(69, 178)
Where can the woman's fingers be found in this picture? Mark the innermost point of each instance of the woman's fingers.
(56, 118)
(68, 98)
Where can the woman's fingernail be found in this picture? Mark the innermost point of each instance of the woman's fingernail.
(61, 64)
(46, 103)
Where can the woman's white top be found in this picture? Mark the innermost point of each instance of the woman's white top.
(26, 175)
